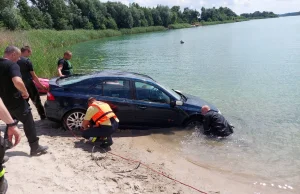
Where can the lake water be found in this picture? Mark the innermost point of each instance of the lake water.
(249, 70)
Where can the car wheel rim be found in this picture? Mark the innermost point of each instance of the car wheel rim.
(74, 120)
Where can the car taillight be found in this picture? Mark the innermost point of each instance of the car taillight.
(50, 97)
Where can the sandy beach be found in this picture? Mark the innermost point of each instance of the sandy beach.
(68, 167)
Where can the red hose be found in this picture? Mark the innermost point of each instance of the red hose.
(160, 173)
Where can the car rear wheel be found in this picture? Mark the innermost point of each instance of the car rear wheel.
(73, 120)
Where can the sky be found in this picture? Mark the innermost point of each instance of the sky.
(238, 6)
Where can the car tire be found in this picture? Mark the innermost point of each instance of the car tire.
(73, 120)
(193, 123)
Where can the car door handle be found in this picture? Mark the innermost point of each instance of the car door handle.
(142, 107)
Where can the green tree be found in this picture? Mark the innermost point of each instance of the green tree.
(148, 16)
(110, 23)
(136, 16)
(156, 18)
(120, 13)
(58, 10)
(12, 19)
(190, 15)
(33, 16)
(165, 15)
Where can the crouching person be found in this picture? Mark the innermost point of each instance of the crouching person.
(99, 123)
(214, 124)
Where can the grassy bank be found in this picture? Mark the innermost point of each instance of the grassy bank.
(139, 30)
(49, 45)
(222, 22)
(179, 26)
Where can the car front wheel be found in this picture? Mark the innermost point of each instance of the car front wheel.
(193, 123)
(73, 120)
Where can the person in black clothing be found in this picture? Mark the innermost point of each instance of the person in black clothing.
(215, 124)
(13, 93)
(28, 76)
(64, 66)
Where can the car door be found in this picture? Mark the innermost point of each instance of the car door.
(152, 106)
(75, 95)
(117, 93)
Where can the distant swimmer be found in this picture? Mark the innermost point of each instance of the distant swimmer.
(214, 124)
(181, 42)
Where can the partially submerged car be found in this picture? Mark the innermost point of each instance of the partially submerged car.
(137, 100)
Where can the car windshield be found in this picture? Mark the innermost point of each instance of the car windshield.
(173, 93)
(72, 79)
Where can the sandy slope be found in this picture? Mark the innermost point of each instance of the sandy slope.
(68, 167)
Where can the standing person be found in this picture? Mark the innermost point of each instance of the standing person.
(13, 93)
(12, 131)
(64, 66)
(100, 122)
(28, 76)
(215, 124)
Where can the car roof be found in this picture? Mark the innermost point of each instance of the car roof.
(122, 74)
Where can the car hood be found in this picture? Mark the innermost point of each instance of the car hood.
(195, 103)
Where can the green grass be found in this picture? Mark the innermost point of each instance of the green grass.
(179, 26)
(137, 30)
(222, 22)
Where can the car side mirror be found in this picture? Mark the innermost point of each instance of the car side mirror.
(179, 103)
(176, 103)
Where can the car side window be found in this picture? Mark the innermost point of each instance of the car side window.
(147, 92)
(81, 87)
(115, 88)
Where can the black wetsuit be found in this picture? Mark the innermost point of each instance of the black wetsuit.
(215, 124)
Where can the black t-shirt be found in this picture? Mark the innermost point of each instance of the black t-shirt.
(11, 97)
(215, 124)
(25, 68)
(67, 66)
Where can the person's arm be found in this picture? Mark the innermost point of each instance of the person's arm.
(91, 111)
(15, 74)
(59, 68)
(85, 124)
(36, 79)
(33, 75)
(13, 131)
(19, 84)
(206, 124)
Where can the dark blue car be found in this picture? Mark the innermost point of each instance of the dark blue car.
(137, 100)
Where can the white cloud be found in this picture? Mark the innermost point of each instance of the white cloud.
(238, 6)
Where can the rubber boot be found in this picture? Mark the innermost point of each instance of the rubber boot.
(107, 142)
(36, 149)
(3, 185)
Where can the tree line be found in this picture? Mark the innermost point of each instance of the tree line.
(290, 14)
(93, 14)
(258, 14)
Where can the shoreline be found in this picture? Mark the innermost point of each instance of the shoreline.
(68, 167)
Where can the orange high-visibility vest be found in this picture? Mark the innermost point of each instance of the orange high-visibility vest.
(104, 113)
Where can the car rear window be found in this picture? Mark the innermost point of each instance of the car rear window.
(72, 79)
